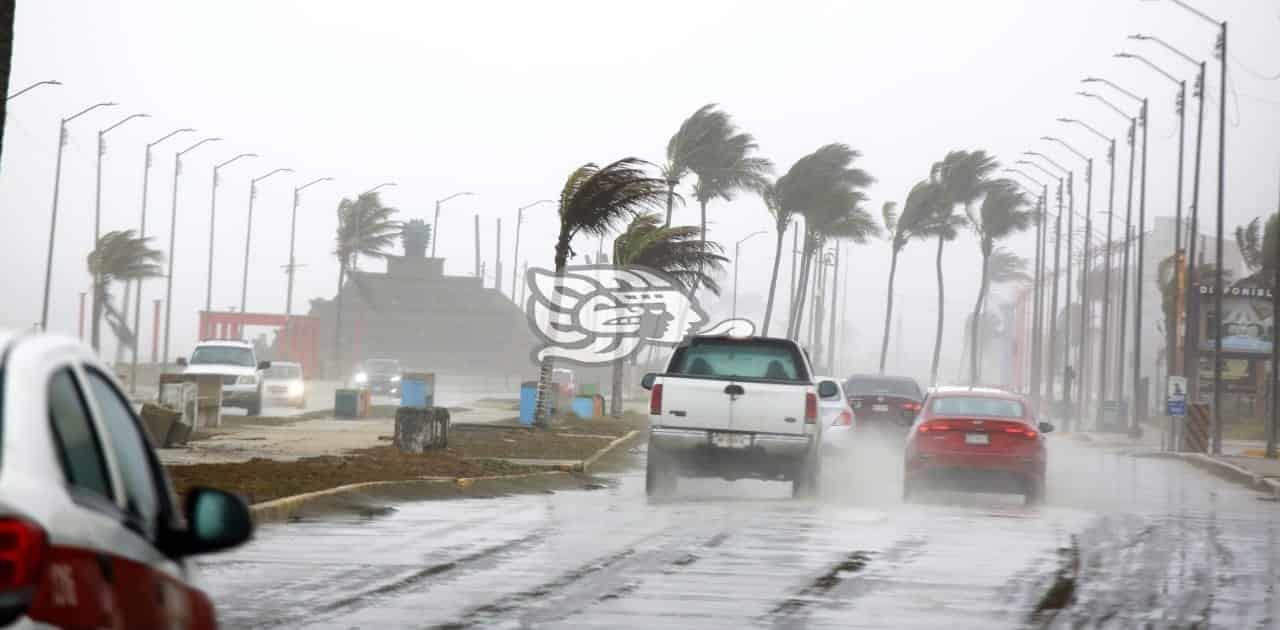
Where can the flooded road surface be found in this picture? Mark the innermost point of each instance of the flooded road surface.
(1121, 542)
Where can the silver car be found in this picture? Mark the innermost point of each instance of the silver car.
(88, 520)
(838, 420)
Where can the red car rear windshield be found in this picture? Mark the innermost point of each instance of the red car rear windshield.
(976, 406)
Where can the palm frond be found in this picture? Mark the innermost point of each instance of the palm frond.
(678, 251)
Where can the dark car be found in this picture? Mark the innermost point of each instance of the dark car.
(883, 403)
(381, 376)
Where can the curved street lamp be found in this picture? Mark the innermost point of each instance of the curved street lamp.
(173, 230)
(31, 87)
(53, 218)
(96, 326)
(435, 226)
(737, 251)
(248, 233)
(293, 230)
(213, 213)
(515, 261)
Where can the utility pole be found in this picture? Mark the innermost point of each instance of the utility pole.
(1139, 282)
(1273, 427)
(95, 325)
(497, 264)
(835, 293)
(293, 231)
(478, 273)
(213, 209)
(1053, 301)
(248, 235)
(173, 230)
(1218, 283)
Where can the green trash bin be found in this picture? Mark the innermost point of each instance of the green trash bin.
(346, 403)
(588, 389)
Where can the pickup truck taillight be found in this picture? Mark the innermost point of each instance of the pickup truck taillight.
(24, 552)
(655, 400)
(810, 408)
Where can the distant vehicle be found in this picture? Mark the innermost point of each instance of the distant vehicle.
(564, 381)
(838, 419)
(282, 384)
(89, 532)
(883, 403)
(381, 376)
(976, 440)
(733, 408)
(241, 372)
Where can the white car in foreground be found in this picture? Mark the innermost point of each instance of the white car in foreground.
(90, 533)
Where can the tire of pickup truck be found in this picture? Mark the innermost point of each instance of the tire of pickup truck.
(805, 485)
(254, 408)
(659, 474)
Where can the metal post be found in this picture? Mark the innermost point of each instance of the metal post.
(53, 224)
(831, 327)
(173, 230)
(248, 235)
(80, 328)
(293, 229)
(1067, 371)
(96, 325)
(1174, 352)
(1124, 275)
(515, 258)
(1104, 350)
(737, 251)
(497, 264)
(1191, 362)
(213, 207)
(435, 229)
(1218, 284)
(1139, 278)
(1034, 380)
(477, 221)
(155, 332)
(1053, 301)
(1273, 427)
(1086, 310)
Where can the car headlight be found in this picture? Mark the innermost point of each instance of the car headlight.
(295, 388)
(247, 380)
(395, 379)
(361, 377)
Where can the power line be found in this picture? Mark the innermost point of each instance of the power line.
(1250, 71)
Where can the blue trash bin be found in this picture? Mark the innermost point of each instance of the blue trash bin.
(528, 401)
(583, 406)
(417, 390)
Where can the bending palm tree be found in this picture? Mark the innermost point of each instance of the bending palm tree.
(699, 136)
(923, 203)
(729, 168)
(120, 256)
(782, 216)
(1003, 212)
(678, 252)
(593, 200)
(365, 226)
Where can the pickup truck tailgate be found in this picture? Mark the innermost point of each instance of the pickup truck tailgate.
(695, 403)
(769, 407)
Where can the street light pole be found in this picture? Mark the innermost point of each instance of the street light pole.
(515, 261)
(1037, 284)
(248, 234)
(1085, 306)
(213, 209)
(1103, 347)
(173, 230)
(737, 251)
(53, 219)
(31, 87)
(1067, 376)
(435, 225)
(95, 329)
(293, 230)
(142, 232)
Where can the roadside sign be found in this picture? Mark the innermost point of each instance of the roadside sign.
(1176, 403)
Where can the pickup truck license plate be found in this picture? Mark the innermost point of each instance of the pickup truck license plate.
(880, 408)
(977, 438)
(730, 440)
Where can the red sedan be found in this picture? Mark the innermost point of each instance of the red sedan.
(976, 440)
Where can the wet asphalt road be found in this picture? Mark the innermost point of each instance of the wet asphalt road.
(1121, 542)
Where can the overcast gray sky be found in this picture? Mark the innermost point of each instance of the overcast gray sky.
(505, 98)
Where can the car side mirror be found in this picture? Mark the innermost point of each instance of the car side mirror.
(1045, 427)
(216, 520)
(647, 381)
(828, 390)
(262, 365)
(181, 361)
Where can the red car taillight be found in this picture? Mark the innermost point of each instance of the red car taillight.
(911, 406)
(933, 427)
(655, 401)
(1022, 432)
(810, 408)
(24, 550)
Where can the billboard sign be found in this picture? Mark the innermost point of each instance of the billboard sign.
(1248, 324)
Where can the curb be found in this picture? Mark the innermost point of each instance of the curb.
(284, 508)
(1223, 469)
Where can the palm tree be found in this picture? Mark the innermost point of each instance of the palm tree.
(1003, 213)
(679, 252)
(121, 256)
(729, 168)
(365, 226)
(782, 216)
(415, 235)
(922, 205)
(694, 143)
(826, 190)
(1249, 240)
(593, 200)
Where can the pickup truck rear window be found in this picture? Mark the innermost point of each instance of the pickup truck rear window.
(747, 359)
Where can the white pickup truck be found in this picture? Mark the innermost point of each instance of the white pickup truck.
(734, 407)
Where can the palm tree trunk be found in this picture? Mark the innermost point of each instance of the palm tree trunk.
(797, 305)
(95, 327)
(977, 323)
(671, 201)
(888, 309)
(937, 337)
(615, 394)
(337, 322)
(831, 324)
(7, 10)
(773, 281)
(546, 366)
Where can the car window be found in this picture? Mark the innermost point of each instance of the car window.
(976, 406)
(737, 359)
(862, 386)
(75, 437)
(283, 372)
(132, 453)
(222, 355)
